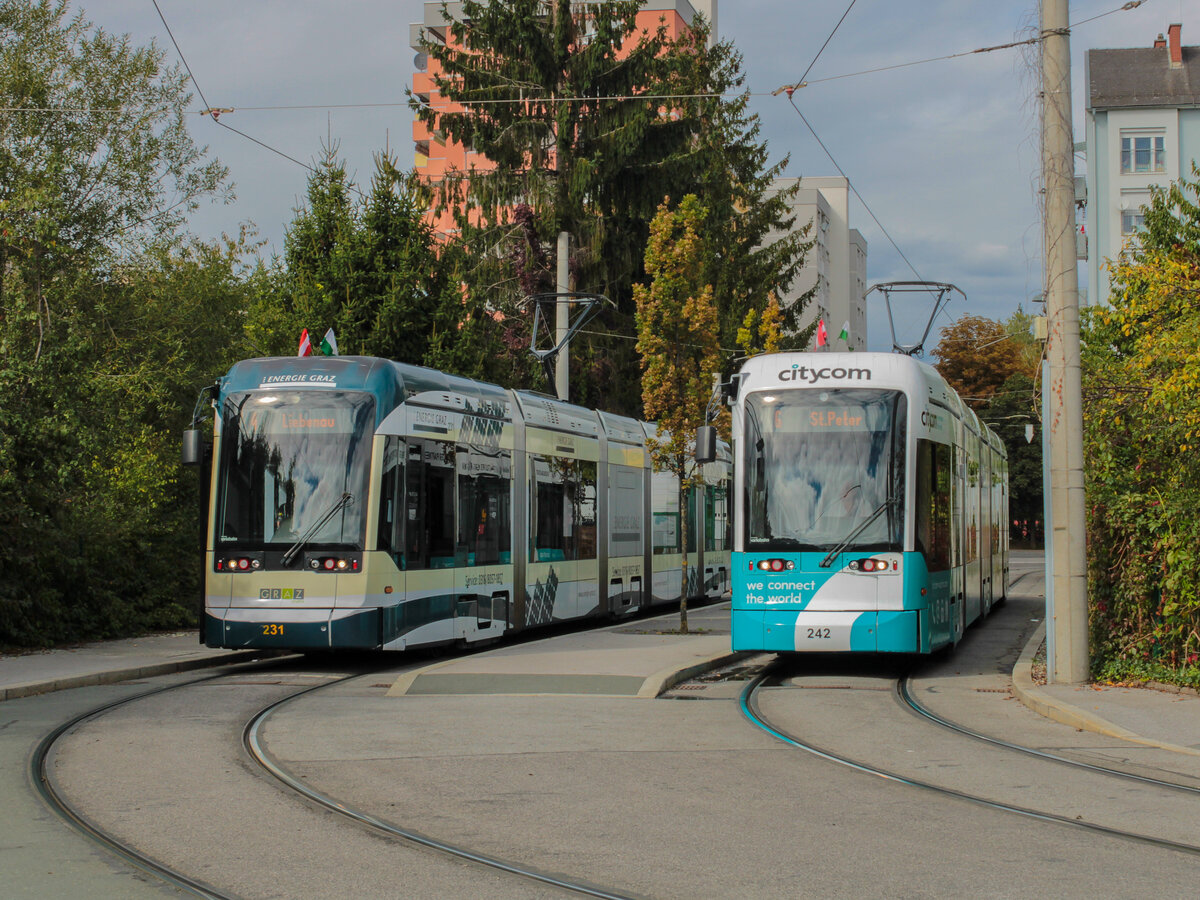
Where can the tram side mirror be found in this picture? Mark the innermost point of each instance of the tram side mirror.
(706, 444)
(193, 447)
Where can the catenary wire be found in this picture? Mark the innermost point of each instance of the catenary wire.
(827, 40)
(1133, 4)
(866, 206)
(209, 109)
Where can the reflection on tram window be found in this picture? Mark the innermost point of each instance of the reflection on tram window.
(821, 463)
(563, 508)
(288, 459)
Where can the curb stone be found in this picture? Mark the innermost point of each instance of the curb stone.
(1051, 707)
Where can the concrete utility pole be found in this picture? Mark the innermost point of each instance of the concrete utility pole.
(562, 320)
(1064, 414)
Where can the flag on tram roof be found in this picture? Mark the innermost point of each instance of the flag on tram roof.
(329, 344)
(305, 344)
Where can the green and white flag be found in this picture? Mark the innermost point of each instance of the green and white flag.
(845, 333)
(329, 344)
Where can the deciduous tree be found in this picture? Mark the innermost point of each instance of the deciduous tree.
(976, 356)
(109, 320)
(677, 340)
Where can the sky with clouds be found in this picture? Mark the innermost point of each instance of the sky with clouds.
(945, 154)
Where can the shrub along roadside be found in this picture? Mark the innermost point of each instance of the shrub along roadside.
(1142, 435)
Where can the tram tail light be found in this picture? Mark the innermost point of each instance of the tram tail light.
(774, 565)
(870, 565)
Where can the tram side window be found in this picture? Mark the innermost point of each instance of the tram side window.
(484, 508)
(972, 499)
(664, 496)
(934, 468)
(716, 516)
(564, 509)
(429, 506)
(389, 490)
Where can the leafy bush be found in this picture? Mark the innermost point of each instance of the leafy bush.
(1142, 434)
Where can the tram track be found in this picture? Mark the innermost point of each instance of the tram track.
(274, 772)
(254, 746)
(750, 706)
(905, 696)
(69, 812)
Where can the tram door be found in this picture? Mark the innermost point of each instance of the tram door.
(430, 598)
(483, 571)
(958, 545)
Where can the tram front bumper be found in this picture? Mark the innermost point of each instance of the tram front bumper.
(298, 629)
(821, 631)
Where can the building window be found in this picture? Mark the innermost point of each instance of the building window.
(1132, 221)
(1143, 153)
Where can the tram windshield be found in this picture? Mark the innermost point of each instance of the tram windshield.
(287, 459)
(819, 464)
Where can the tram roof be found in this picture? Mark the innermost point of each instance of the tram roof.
(394, 383)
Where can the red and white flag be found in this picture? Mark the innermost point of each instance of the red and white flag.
(306, 348)
(822, 334)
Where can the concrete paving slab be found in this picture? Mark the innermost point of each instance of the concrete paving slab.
(613, 661)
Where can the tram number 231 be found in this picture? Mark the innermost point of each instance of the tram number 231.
(818, 634)
(273, 630)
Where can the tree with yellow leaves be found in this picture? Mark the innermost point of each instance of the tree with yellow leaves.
(679, 346)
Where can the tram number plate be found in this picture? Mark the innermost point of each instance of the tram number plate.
(818, 634)
(272, 630)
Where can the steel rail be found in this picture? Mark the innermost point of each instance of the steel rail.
(252, 740)
(904, 695)
(61, 807)
(748, 702)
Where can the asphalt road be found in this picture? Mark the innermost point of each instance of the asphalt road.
(678, 797)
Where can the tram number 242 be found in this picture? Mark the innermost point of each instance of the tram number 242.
(815, 634)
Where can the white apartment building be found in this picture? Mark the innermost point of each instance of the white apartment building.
(1143, 129)
(837, 263)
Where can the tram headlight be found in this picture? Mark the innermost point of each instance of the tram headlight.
(775, 565)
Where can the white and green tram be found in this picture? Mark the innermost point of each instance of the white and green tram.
(356, 502)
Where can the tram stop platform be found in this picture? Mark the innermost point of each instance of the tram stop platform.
(640, 658)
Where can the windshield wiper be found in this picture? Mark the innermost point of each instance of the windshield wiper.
(845, 542)
(342, 501)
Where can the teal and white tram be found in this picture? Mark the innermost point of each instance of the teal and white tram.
(361, 503)
(871, 506)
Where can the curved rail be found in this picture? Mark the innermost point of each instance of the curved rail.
(252, 740)
(910, 702)
(73, 817)
(748, 701)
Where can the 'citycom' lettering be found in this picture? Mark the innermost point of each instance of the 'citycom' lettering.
(812, 376)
